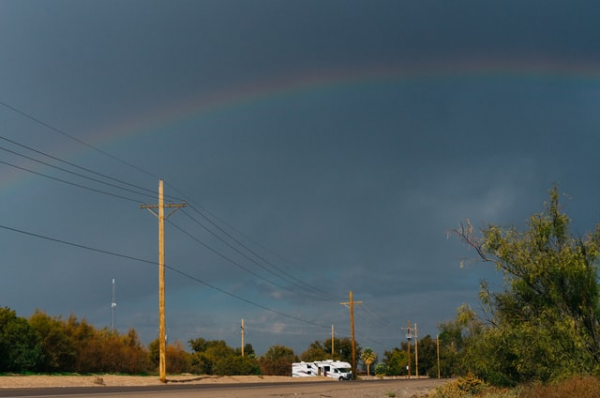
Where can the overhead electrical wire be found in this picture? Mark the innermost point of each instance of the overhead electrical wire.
(132, 200)
(149, 191)
(182, 273)
(379, 318)
(52, 128)
(301, 284)
(65, 134)
(225, 257)
(72, 172)
(68, 182)
(311, 291)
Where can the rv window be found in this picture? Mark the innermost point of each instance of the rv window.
(326, 368)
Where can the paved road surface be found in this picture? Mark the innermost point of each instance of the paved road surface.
(355, 389)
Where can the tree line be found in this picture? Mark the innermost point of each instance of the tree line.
(48, 344)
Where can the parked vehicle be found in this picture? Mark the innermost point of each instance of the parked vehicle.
(335, 369)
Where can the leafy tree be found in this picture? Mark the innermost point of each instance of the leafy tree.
(319, 351)
(248, 351)
(216, 357)
(237, 365)
(215, 351)
(381, 369)
(315, 352)
(58, 348)
(177, 359)
(428, 356)
(20, 348)
(278, 361)
(454, 338)
(368, 356)
(343, 348)
(396, 361)
(544, 324)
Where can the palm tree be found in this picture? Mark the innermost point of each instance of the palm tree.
(368, 356)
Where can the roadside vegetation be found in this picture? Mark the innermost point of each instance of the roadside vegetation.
(536, 336)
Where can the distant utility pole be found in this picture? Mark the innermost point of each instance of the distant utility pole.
(408, 338)
(242, 337)
(438, 355)
(350, 305)
(162, 366)
(416, 352)
(332, 342)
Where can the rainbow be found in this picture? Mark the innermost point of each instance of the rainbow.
(294, 85)
(316, 82)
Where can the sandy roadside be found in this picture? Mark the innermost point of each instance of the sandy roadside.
(32, 381)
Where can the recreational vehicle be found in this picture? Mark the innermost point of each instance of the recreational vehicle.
(335, 369)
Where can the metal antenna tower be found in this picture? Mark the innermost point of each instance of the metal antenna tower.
(113, 306)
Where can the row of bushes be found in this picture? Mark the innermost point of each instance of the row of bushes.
(47, 344)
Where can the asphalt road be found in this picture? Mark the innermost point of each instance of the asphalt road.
(354, 389)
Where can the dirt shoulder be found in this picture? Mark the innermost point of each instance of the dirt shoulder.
(33, 381)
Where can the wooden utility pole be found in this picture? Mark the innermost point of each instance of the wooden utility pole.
(242, 337)
(416, 352)
(408, 337)
(332, 342)
(350, 305)
(438, 354)
(162, 365)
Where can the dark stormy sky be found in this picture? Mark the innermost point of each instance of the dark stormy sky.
(321, 146)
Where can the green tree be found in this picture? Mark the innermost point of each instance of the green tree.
(278, 361)
(428, 356)
(544, 324)
(396, 361)
(58, 348)
(20, 348)
(215, 357)
(319, 351)
(315, 352)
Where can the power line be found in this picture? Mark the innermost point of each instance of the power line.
(137, 201)
(59, 131)
(225, 257)
(81, 142)
(312, 288)
(128, 257)
(72, 164)
(69, 183)
(309, 289)
(72, 172)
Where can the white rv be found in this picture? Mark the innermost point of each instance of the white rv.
(335, 369)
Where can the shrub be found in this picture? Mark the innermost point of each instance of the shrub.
(463, 387)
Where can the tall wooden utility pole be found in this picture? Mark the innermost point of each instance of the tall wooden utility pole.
(242, 337)
(332, 343)
(350, 305)
(162, 365)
